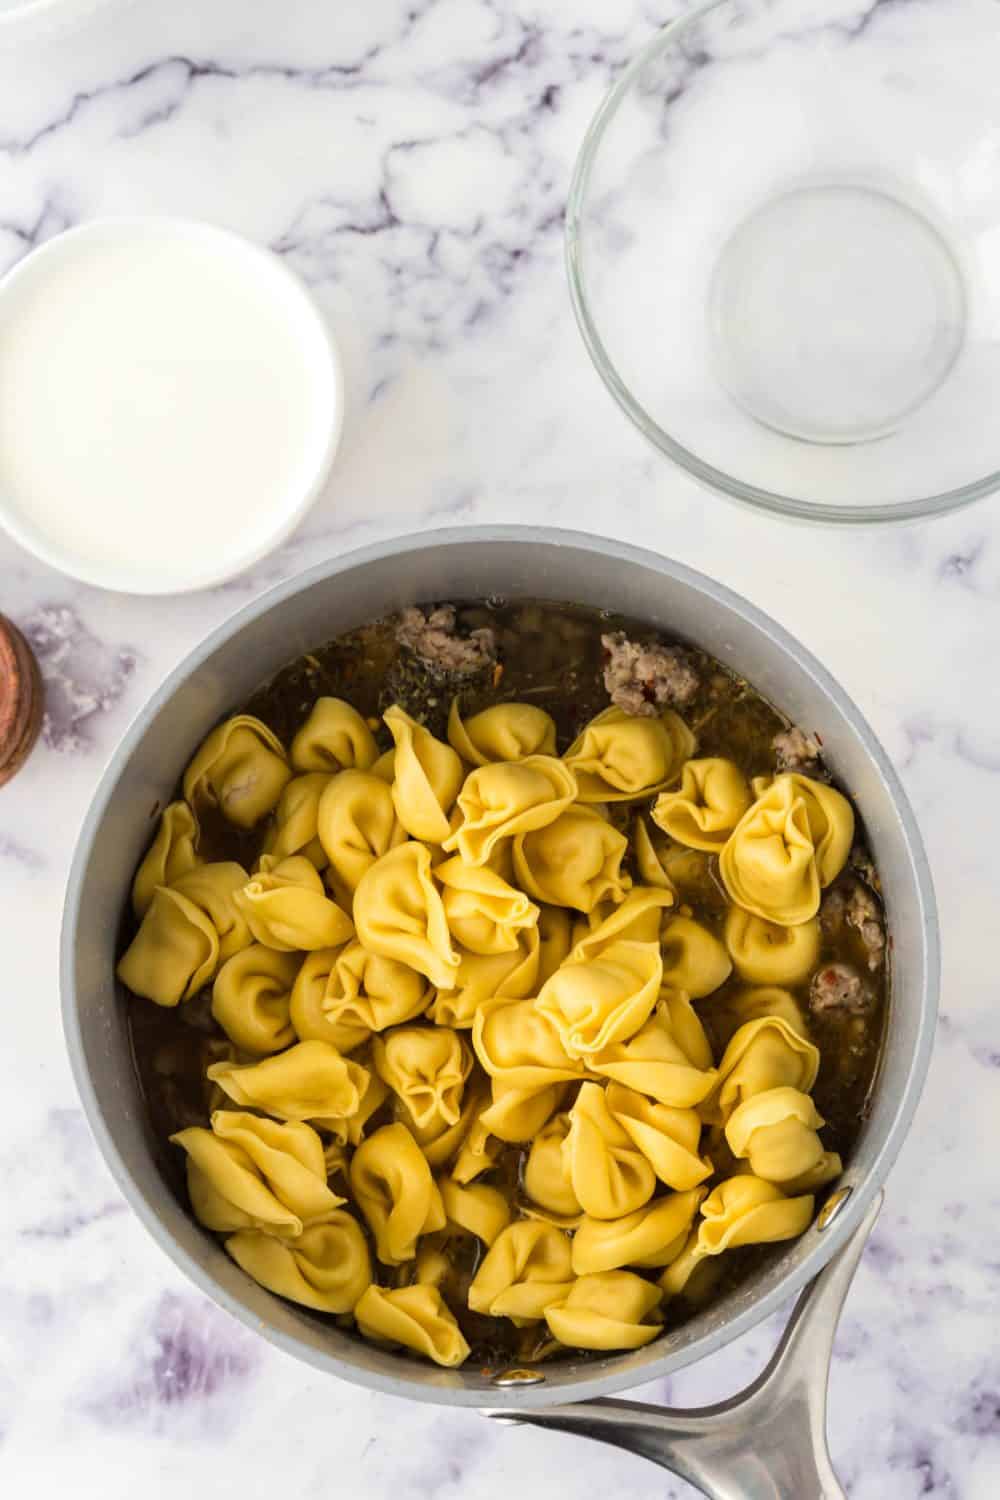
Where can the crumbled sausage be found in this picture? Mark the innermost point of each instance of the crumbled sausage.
(838, 987)
(852, 904)
(794, 750)
(864, 916)
(433, 638)
(642, 679)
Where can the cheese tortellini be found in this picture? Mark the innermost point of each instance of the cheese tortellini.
(667, 1137)
(519, 1046)
(342, 995)
(328, 1268)
(296, 820)
(776, 1132)
(286, 907)
(427, 777)
(334, 738)
(743, 1210)
(763, 1054)
(529, 1267)
(766, 953)
(484, 914)
(311, 1081)
(416, 1317)
(393, 1187)
(574, 861)
(399, 914)
(508, 1029)
(594, 1003)
(251, 998)
(426, 1067)
(506, 731)
(241, 769)
(173, 852)
(611, 1177)
(476, 1209)
(618, 758)
(650, 1237)
(501, 800)
(481, 977)
(708, 804)
(609, 1310)
(693, 958)
(252, 1173)
(356, 824)
(189, 929)
(666, 1058)
(792, 842)
(547, 1181)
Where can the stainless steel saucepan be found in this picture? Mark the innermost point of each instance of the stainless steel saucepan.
(770, 1441)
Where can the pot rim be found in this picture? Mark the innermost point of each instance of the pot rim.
(842, 1227)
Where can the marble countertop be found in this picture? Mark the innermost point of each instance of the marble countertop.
(410, 158)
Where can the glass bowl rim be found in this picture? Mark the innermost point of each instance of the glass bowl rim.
(771, 501)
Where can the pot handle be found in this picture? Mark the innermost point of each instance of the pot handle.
(768, 1442)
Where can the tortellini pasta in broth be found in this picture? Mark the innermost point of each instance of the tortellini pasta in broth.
(528, 1268)
(427, 777)
(667, 1137)
(610, 1176)
(618, 758)
(251, 998)
(485, 914)
(310, 1081)
(652, 1236)
(776, 1131)
(574, 861)
(356, 824)
(173, 852)
(501, 801)
(481, 977)
(327, 1268)
(505, 731)
(547, 1181)
(763, 1054)
(399, 914)
(708, 804)
(766, 953)
(465, 1069)
(333, 738)
(416, 1317)
(189, 929)
(253, 1173)
(241, 769)
(658, 1060)
(610, 1310)
(595, 1002)
(286, 907)
(792, 842)
(393, 1187)
(296, 820)
(426, 1066)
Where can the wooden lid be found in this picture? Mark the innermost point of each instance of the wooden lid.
(21, 700)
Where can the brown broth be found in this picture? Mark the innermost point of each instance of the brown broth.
(551, 656)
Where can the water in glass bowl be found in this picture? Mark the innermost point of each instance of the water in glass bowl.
(784, 243)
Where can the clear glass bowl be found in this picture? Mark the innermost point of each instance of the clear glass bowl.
(783, 240)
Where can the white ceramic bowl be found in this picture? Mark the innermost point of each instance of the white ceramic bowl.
(182, 494)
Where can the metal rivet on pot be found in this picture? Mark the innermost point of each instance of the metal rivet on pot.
(831, 1208)
(518, 1377)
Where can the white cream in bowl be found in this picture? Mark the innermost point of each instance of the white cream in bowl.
(170, 403)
